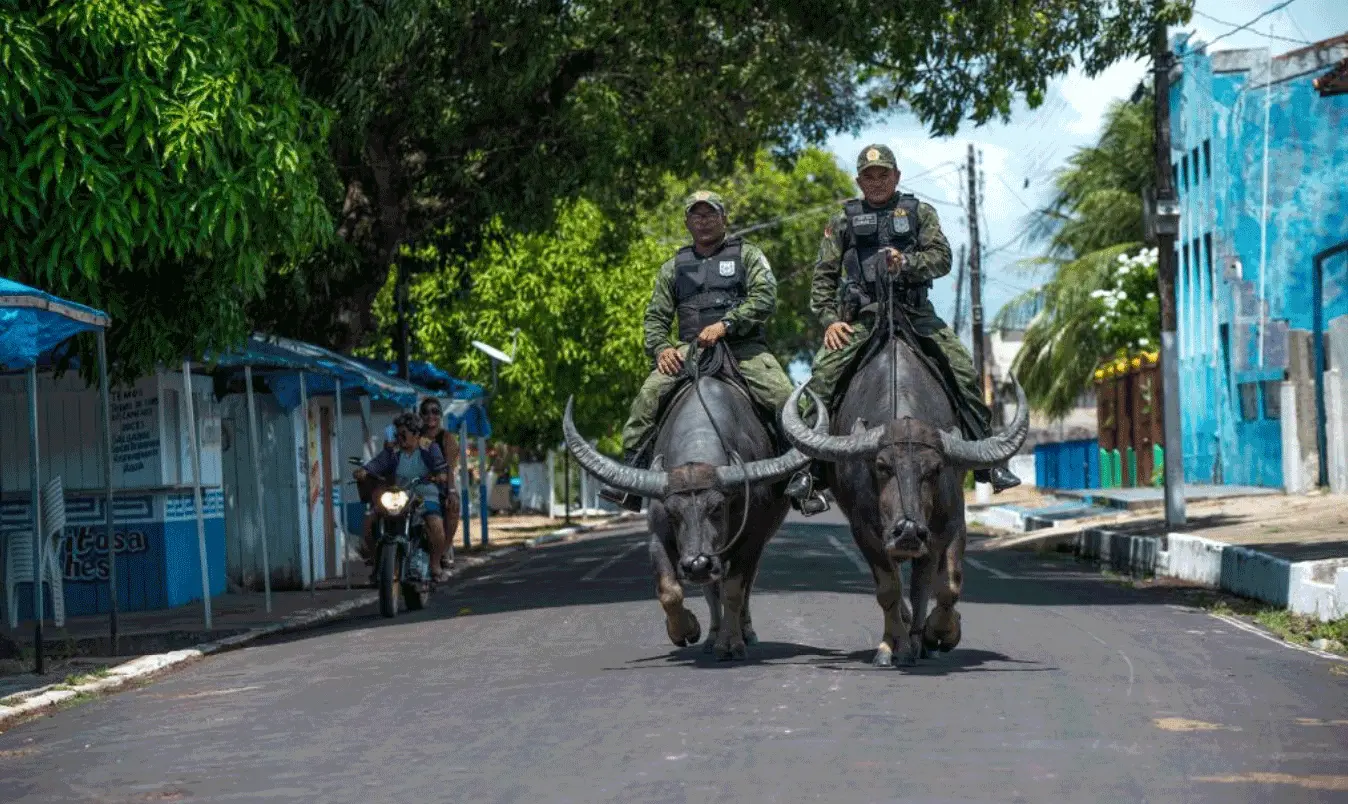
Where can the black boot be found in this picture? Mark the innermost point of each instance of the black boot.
(1000, 477)
(803, 494)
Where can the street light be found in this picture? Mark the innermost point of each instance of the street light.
(497, 356)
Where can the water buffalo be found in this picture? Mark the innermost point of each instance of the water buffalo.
(697, 507)
(896, 465)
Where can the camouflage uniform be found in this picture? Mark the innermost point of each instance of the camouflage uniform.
(767, 381)
(928, 261)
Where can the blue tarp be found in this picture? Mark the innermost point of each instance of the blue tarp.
(281, 360)
(429, 376)
(33, 323)
(468, 399)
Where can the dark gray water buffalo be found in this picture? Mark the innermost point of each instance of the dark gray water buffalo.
(896, 465)
(697, 507)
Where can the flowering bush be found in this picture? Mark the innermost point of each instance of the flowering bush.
(1128, 314)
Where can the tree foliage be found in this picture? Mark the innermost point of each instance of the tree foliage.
(577, 303)
(155, 162)
(1097, 302)
(458, 118)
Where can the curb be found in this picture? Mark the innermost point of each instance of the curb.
(35, 701)
(565, 534)
(1316, 589)
(32, 702)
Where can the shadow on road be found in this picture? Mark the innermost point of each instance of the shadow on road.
(805, 561)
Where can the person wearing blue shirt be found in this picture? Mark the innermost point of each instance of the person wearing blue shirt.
(419, 467)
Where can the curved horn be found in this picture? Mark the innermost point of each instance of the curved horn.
(643, 482)
(770, 470)
(986, 453)
(821, 445)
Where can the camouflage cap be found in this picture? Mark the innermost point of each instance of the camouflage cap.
(704, 197)
(876, 155)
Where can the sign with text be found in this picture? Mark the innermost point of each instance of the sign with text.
(135, 435)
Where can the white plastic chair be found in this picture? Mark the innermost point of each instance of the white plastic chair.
(19, 556)
(54, 524)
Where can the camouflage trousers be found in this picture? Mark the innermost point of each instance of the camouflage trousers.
(768, 384)
(829, 365)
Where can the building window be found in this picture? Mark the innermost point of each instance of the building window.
(1187, 278)
(1184, 171)
(1207, 254)
(1207, 157)
(1249, 401)
(1195, 155)
(1174, 172)
(1272, 399)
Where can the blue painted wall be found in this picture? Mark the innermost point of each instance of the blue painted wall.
(1228, 389)
(158, 561)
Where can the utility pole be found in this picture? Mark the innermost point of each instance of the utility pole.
(1166, 220)
(958, 316)
(975, 275)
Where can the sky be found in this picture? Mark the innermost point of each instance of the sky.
(1020, 157)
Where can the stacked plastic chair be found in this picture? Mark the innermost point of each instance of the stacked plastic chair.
(19, 556)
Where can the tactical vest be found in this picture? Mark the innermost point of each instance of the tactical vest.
(705, 289)
(894, 225)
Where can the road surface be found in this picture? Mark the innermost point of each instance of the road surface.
(549, 679)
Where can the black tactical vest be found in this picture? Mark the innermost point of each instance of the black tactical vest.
(705, 289)
(869, 230)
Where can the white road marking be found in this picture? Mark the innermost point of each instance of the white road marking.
(1246, 627)
(1130, 674)
(853, 557)
(996, 573)
(594, 573)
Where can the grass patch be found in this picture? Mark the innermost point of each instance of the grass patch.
(1292, 627)
(76, 679)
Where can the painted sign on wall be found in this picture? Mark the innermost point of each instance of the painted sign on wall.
(135, 435)
(84, 551)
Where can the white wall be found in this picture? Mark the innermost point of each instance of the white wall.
(148, 447)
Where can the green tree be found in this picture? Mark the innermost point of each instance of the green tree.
(155, 162)
(1097, 302)
(577, 306)
(458, 118)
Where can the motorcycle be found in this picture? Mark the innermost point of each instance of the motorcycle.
(402, 560)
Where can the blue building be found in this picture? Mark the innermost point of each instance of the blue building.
(1261, 167)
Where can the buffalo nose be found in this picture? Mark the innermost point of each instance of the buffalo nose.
(908, 536)
(697, 568)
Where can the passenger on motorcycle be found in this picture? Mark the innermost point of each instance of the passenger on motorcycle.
(420, 469)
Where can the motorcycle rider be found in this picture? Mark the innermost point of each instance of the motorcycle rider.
(421, 469)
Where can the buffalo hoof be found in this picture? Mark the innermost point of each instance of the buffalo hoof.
(685, 632)
(884, 657)
(750, 636)
(942, 631)
(709, 644)
(726, 651)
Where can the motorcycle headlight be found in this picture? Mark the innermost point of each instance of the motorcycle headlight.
(393, 501)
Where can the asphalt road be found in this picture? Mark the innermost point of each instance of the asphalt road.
(550, 679)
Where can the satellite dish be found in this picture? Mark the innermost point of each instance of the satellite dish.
(493, 352)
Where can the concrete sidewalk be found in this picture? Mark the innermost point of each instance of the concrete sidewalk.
(1287, 550)
(81, 662)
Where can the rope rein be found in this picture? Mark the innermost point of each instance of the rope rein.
(694, 357)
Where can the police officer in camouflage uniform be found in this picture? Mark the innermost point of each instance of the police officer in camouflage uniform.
(716, 288)
(885, 230)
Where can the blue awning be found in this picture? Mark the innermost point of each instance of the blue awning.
(33, 323)
(430, 377)
(281, 360)
(467, 400)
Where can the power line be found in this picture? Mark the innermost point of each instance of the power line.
(1269, 35)
(1238, 29)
